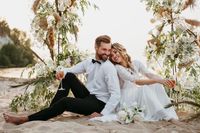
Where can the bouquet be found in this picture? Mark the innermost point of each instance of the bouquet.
(129, 114)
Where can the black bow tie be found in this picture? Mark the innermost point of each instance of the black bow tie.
(95, 61)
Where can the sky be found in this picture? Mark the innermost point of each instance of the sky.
(126, 21)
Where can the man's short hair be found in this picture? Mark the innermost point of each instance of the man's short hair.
(102, 38)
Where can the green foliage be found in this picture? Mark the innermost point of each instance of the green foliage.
(15, 56)
(193, 95)
(4, 28)
(17, 53)
(4, 60)
(37, 99)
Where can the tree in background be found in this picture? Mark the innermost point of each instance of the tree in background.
(175, 46)
(17, 53)
(5, 29)
(15, 56)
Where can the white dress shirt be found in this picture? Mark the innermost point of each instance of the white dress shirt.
(102, 81)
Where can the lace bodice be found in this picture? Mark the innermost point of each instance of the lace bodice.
(129, 75)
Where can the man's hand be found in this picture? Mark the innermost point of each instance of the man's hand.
(95, 114)
(60, 75)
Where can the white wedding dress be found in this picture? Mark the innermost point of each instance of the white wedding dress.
(152, 98)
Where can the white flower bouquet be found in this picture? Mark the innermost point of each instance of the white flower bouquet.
(129, 114)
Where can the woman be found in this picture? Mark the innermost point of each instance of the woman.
(148, 93)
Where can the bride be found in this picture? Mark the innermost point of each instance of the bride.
(148, 93)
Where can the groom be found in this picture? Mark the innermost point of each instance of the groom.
(98, 97)
(101, 93)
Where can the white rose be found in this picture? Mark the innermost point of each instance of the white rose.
(130, 113)
(122, 115)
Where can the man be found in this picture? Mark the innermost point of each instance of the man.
(99, 97)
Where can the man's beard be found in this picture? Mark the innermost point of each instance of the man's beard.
(103, 57)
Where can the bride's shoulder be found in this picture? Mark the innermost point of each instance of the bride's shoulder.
(136, 63)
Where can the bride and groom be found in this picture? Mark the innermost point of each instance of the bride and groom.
(112, 80)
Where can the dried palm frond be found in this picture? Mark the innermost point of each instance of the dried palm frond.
(189, 3)
(187, 64)
(192, 22)
(183, 102)
(35, 5)
(29, 82)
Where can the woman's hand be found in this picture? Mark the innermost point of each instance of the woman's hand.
(168, 82)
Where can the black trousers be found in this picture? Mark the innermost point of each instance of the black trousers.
(82, 103)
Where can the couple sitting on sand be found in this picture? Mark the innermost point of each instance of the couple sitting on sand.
(112, 80)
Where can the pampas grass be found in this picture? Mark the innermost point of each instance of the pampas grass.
(43, 23)
(189, 3)
(50, 41)
(35, 5)
(72, 3)
(50, 37)
(57, 17)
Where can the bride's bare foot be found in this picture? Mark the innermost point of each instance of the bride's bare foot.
(15, 119)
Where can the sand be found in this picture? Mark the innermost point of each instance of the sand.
(73, 123)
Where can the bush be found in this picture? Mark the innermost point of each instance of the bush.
(15, 56)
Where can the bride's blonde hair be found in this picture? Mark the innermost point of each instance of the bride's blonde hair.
(122, 51)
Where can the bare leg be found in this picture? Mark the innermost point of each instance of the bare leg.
(15, 119)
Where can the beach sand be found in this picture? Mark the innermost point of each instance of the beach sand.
(73, 123)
